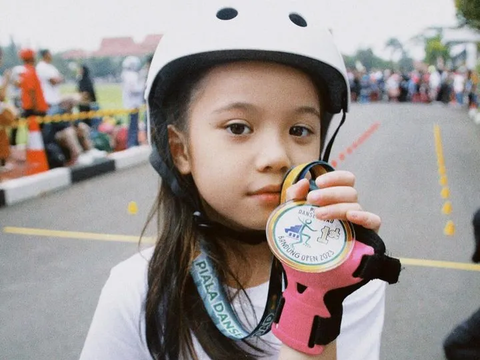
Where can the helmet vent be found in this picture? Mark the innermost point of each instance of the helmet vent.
(298, 20)
(227, 14)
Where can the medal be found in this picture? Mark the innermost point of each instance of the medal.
(300, 240)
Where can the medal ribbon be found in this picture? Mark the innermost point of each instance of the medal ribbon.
(219, 308)
(299, 172)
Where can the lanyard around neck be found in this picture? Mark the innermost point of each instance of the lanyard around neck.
(216, 302)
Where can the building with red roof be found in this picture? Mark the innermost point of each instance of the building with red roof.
(118, 47)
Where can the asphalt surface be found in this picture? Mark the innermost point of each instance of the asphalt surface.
(49, 285)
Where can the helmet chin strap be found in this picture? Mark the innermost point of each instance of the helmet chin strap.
(326, 154)
(208, 227)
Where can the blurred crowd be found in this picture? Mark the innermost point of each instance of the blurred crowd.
(33, 89)
(458, 87)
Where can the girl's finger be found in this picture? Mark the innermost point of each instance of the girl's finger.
(336, 211)
(364, 218)
(298, 191)
(333, 195)
(335, 178)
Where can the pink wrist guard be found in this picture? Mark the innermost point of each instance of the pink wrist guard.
(310, 312)
(324, 262)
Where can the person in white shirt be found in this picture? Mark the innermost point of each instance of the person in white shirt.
(50, 78)
(132, 95)
(459, 86)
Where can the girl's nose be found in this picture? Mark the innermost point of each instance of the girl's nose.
(272, 155)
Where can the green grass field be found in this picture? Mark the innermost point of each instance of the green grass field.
(109, 95)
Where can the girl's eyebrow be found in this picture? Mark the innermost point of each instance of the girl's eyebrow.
(308, 110)
(250, 107)
(237, 106)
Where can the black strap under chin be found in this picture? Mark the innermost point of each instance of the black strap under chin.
(328, 149)
(208, 227)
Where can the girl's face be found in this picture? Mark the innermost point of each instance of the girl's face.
(249, 122)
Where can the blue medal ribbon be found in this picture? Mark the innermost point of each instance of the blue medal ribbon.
(219, 308)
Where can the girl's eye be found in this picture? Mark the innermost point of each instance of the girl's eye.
(238, 129)
(300, 131)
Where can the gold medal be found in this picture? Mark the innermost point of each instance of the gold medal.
(300, 240)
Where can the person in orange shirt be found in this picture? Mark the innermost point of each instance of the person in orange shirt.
(33, 101)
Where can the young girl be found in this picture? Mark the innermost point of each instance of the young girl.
(236, 97)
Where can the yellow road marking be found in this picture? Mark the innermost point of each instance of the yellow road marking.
(125, 238)
(449, 229)
(443, 180)
(440, 264)
(447, 208)
(438, 146)
(74, 235)
(132, 208)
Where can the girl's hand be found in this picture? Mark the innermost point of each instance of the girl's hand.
(337, 199)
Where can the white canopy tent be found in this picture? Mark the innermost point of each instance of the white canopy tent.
(463, 39)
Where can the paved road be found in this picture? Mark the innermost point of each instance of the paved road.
(49, 285)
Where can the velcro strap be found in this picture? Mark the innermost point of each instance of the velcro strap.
(325, 330)
(379, 266)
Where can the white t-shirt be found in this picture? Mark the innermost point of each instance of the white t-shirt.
(14, 91)
(46, 72)
(117, 331)
(132, 89)
(458, 83)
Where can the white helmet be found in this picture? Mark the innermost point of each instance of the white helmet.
(252, 30)
(131, 63)
(227, 30)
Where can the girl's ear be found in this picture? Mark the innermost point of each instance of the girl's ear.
(179, 150)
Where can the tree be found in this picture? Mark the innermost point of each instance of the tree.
(405, 63)
(468, 12)
(368, 59)
(10, 56)
(395, 47)
(104, 66)
(435, 50)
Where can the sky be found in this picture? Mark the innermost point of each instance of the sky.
(81, 24)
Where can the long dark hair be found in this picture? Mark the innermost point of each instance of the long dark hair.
(85, 84)
(174, 310)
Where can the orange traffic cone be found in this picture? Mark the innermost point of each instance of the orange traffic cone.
(36, 157)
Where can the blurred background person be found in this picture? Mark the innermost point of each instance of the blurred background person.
(463, 343)
(132, 95)
(459, 86)
(33, 100)
(88, 98)
(7, 117)
(446, 88)
(15, 95)
(365, 88)
(50, 78)
(434, 82)
(471, 88)
(392, 86)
